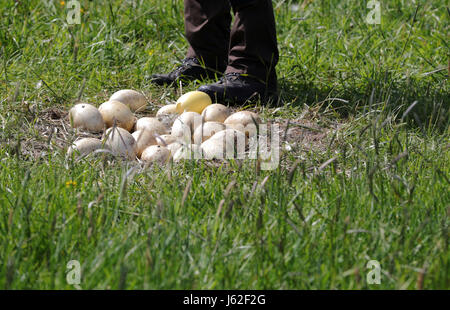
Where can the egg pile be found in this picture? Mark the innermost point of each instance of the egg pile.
(192, 128)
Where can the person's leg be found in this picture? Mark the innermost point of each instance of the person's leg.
(252, 57)
(254, 49)
(207, 26)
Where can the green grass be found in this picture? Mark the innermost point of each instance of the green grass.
(306, 225)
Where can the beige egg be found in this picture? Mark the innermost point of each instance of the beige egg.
(167, 110)
(121, 142)
(144, 138)
(156, 154)
(84, 146)
(152, 124)
(117, 112)
(133, 99)
(194, 101)
(87, 117)
(173, 147)
(206, 131)
(165, 140)
(244, 121)
(191, 151)
(184, 126)
(225, 144)
(216, 113)
(167, 119)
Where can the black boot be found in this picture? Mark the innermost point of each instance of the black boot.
(188, 71)
(235, 88)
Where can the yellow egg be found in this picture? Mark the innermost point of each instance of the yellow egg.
(194, 101)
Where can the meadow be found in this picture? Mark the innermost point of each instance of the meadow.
(364, 173)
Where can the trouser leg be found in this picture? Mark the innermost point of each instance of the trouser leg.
(253, 43)
(207, 26)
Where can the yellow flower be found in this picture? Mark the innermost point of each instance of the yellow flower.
(62, 3)
(71, 183)
(151, 52)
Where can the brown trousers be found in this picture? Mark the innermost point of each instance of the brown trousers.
(250, 47)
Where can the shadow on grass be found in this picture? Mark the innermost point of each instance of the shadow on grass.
(422, 104)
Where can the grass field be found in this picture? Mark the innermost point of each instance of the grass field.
(367, 177)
